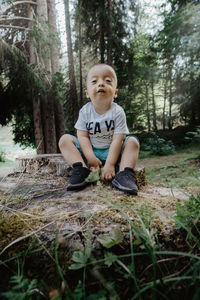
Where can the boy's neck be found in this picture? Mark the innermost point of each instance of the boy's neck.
(102, 108)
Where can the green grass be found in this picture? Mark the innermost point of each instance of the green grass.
(183, 172)
(141, 266)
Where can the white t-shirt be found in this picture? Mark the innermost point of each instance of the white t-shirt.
(102, 127)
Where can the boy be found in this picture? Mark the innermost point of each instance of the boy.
(101, 130)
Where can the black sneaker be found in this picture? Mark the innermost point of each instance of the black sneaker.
(125, 181)
(79, 174)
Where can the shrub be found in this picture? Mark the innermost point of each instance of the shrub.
(158, 146)
(2, 156)
(193, 136)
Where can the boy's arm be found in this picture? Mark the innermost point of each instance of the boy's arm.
(86, 146)
(113, 155)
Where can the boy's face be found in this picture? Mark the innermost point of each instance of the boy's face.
(101, 84)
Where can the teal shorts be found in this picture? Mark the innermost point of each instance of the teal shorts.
(101, 154)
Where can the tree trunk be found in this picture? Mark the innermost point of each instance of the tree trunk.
(147, 110)
(58, 106)
(72, 91)
(109, 47)
(38, 128)
(170, 99)
(164, 104)
(154, 107)
(80, 61)
(54, 48)
(102, 44)
(101, 28)
(48, 117)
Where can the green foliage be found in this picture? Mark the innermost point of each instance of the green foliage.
(80, 258)
(2, 156)
(188, 213)
(193, 136)
(180, 170)
(157, 145)
(114, 238)
(22, 289)
(93, 176)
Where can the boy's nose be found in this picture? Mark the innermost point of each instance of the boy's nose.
(100, 83)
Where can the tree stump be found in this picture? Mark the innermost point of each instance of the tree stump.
(55, 163)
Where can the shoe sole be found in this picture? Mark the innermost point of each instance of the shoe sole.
(74, 187)
(116, 184)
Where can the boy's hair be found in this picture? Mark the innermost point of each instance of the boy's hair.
(101, 64)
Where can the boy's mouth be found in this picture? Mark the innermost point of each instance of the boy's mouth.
(100, 91)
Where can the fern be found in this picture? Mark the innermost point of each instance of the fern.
(22, 289)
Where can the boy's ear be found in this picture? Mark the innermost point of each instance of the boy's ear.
(116, 92)
(86, 92)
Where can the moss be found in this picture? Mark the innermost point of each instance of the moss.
(14, 226)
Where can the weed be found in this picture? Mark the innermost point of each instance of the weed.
(22, 288)
(188, 212)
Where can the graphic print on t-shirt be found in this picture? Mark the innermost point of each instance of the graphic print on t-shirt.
(95, 127)
(102, 127)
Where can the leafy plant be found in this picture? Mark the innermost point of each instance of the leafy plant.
(2, 156)
(22, 288)
(193, 136)
(188, 213)
(158, 146)
(114, 238)
(93, 176)
(80, 259)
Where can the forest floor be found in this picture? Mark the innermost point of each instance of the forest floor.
(37, 205)
(169, 179)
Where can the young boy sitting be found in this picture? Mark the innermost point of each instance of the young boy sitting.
(101, 136)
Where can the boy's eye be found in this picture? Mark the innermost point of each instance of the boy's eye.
(94, 81)
(108, 80)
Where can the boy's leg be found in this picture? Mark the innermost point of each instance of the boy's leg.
(69, 150)
(125, 179)
(73, 157)
(130, 153)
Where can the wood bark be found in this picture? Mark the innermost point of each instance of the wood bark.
(48, 116)
(109, 47)
(154, 107)
(170, 99)
(80, 61)
(58, 106)
(102, 37)
(72, 91)
(38, 128)
(164, 104)
(147, 110)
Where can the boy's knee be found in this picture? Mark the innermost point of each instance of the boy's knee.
(133, 142)
(64, 140)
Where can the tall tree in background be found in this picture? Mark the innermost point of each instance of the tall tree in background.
(105, 34)
(72, 101)
(55, 68)
(179, 48)
(37, 47)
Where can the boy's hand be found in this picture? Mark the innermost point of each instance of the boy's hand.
(108, 172)
(94, 163)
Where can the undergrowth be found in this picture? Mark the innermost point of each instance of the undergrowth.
(181, 172)
(133, 261)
